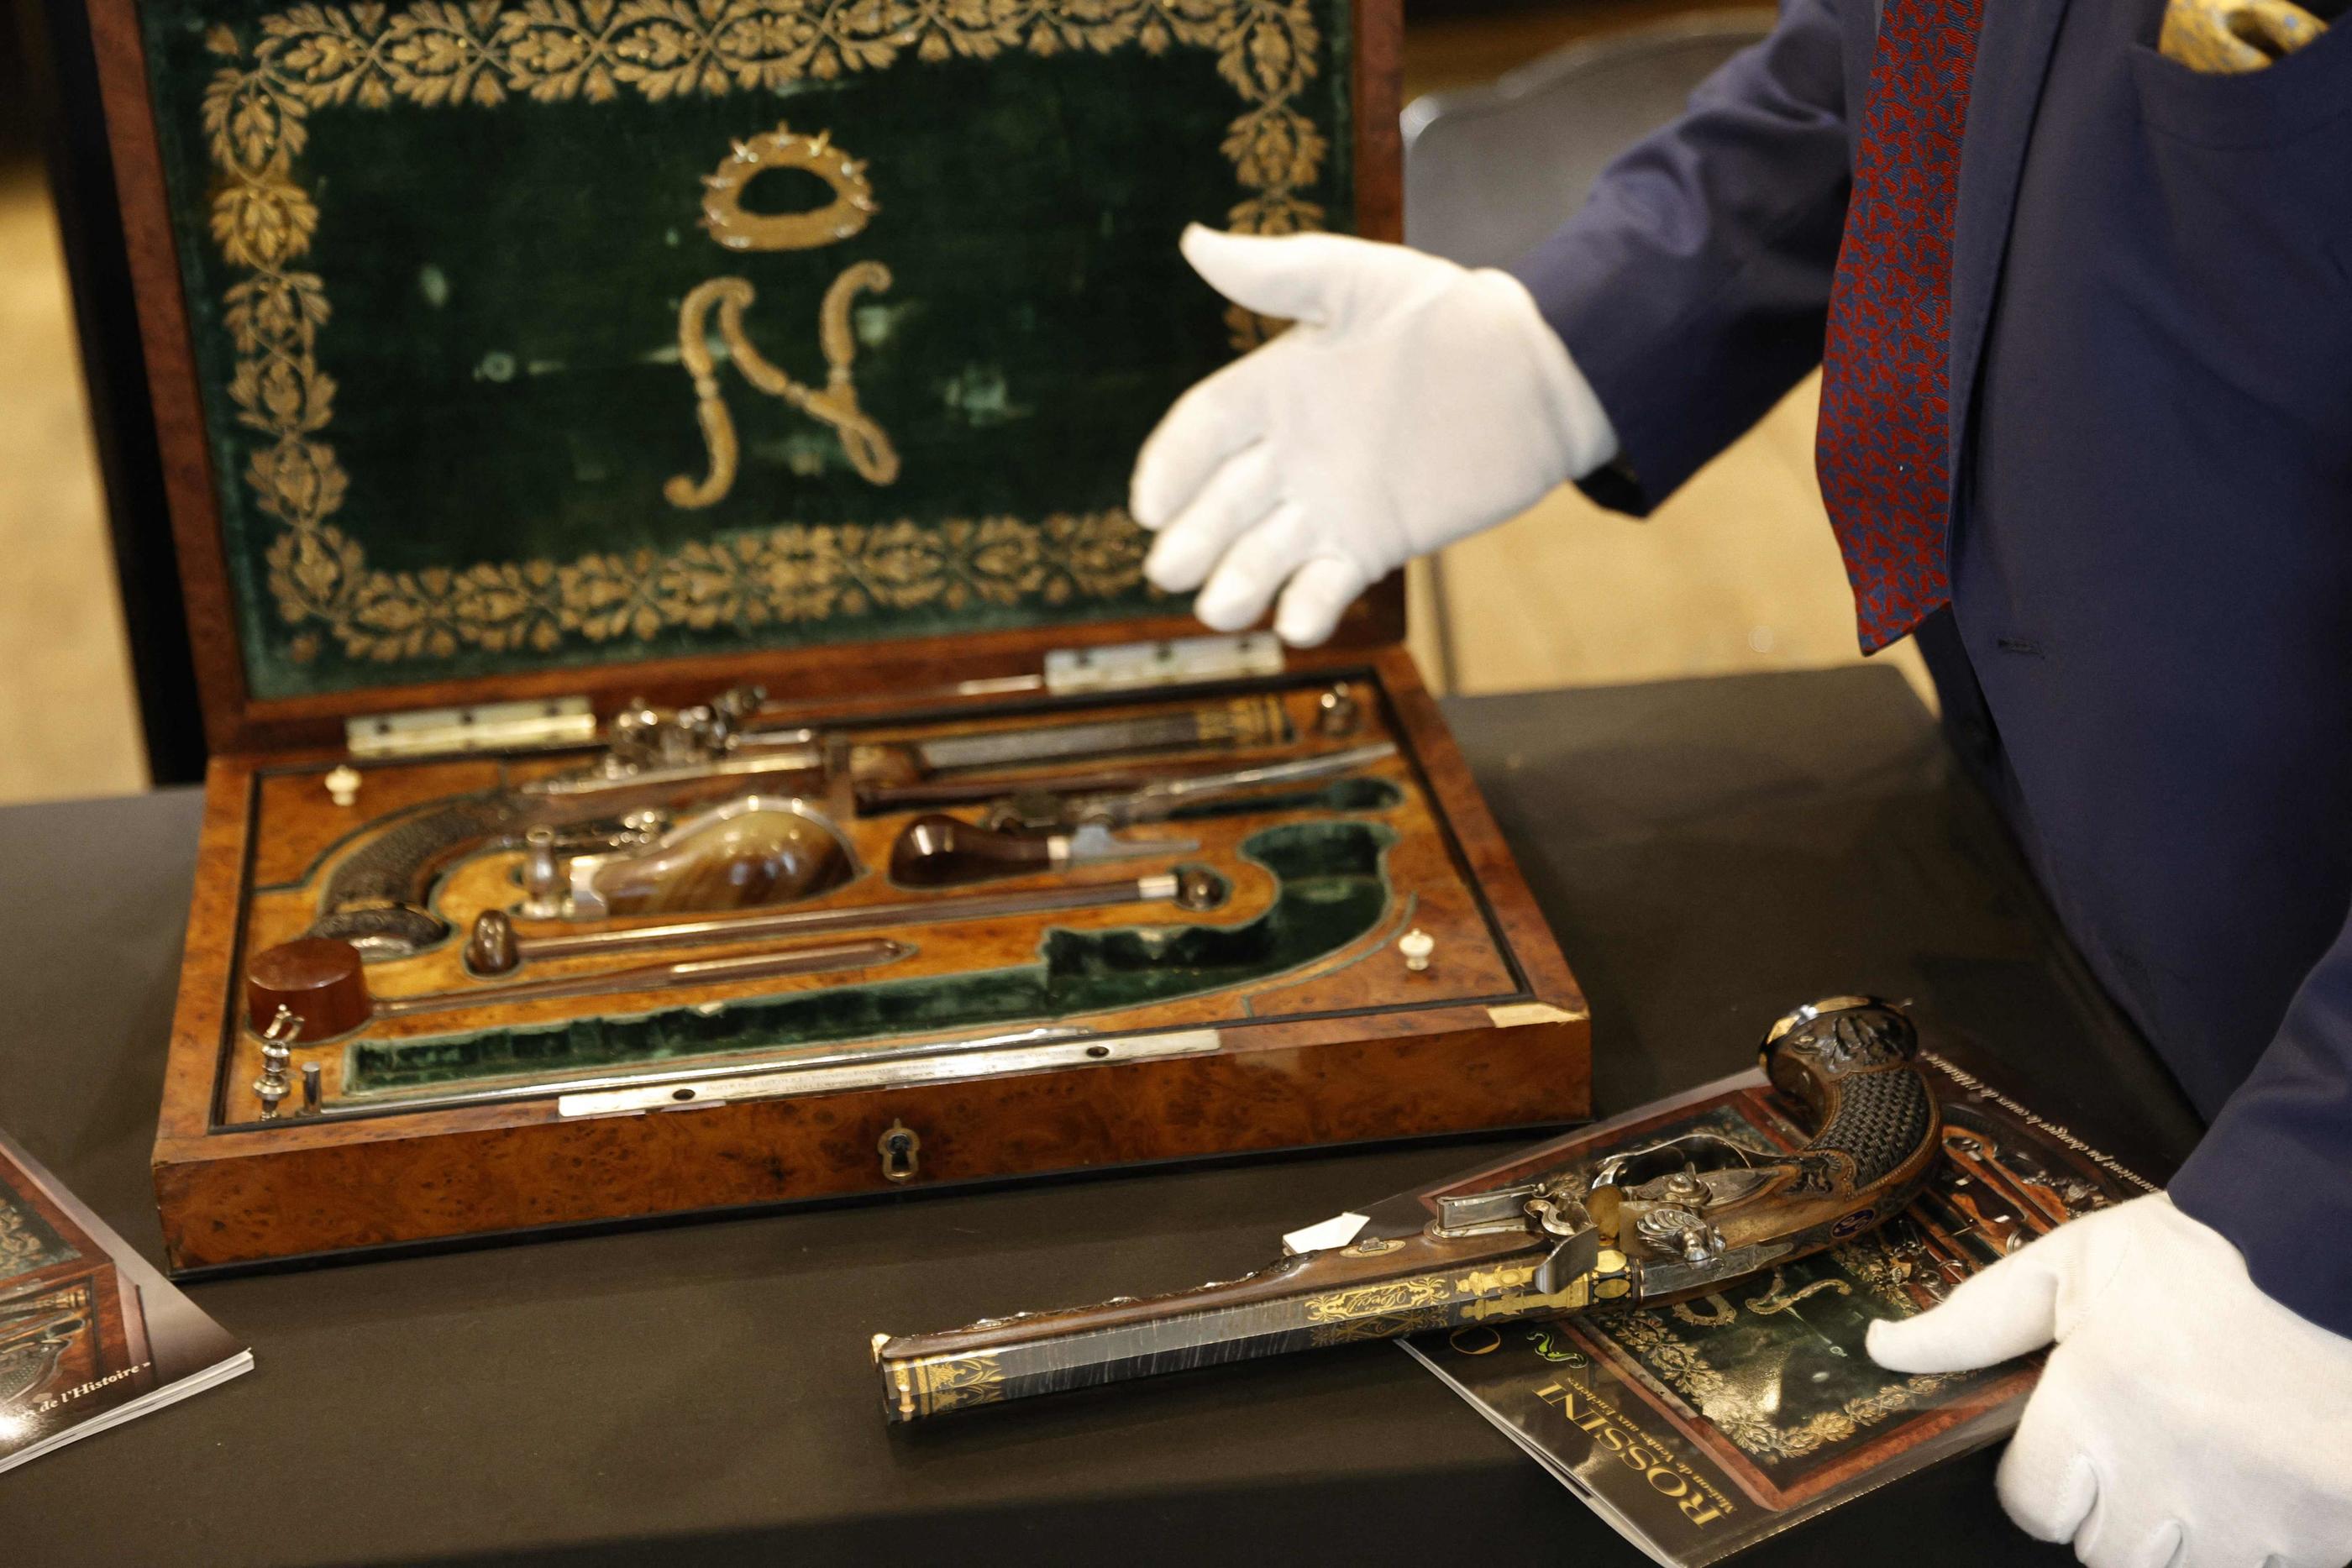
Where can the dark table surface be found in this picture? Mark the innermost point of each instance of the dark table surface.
(1709, 852)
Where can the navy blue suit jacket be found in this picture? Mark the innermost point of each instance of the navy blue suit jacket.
(2150, 536)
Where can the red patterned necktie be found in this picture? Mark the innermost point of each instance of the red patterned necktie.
(1885, 411)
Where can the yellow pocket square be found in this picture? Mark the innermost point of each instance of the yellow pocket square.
(2224, 35)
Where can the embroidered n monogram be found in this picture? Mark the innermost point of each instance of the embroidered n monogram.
(1886, 413)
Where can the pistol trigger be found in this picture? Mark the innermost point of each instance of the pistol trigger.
(1577, 1256)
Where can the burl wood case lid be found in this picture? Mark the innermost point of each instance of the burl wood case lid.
(522, 345)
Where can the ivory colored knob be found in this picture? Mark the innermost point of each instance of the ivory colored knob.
(1416, 944)
(317, 978)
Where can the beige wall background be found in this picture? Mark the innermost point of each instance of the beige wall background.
(1737, 572)
(69, 720)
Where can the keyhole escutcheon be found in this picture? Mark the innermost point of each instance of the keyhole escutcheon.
(901, 1152)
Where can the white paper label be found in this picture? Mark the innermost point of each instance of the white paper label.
(1336, 1232)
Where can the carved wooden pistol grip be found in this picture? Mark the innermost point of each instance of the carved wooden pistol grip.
(378, 898)
(1694, 1211)
(1854, 1063)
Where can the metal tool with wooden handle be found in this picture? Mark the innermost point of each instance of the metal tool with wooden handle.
(1645, 1225)
(1030, 830)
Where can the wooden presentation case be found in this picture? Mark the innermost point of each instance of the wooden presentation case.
(297, 632)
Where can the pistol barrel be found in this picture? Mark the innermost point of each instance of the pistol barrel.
(1374, 1289)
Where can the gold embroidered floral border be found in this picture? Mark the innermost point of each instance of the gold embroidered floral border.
(435, 52)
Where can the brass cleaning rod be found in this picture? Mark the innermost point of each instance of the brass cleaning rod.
(319, 983)
(658, 977)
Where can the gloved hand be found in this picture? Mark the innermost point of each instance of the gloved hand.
(2186, 1420)
(1415, 402)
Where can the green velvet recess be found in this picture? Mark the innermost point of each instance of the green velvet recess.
(1340, 795)
(436, 255)
(1332, 887)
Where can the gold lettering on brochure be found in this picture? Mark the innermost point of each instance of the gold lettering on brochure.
(1779, 1298)
(1624, 1440)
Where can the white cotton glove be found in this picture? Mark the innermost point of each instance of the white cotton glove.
(2185, 1420)
(1415, 402)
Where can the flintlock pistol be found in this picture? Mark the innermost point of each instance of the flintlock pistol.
(1035, 829)
(657, 762)
(1640, 1226)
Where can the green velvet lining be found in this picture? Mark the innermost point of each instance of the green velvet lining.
(436, 327)
(1332, 886)
(1340, 795)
